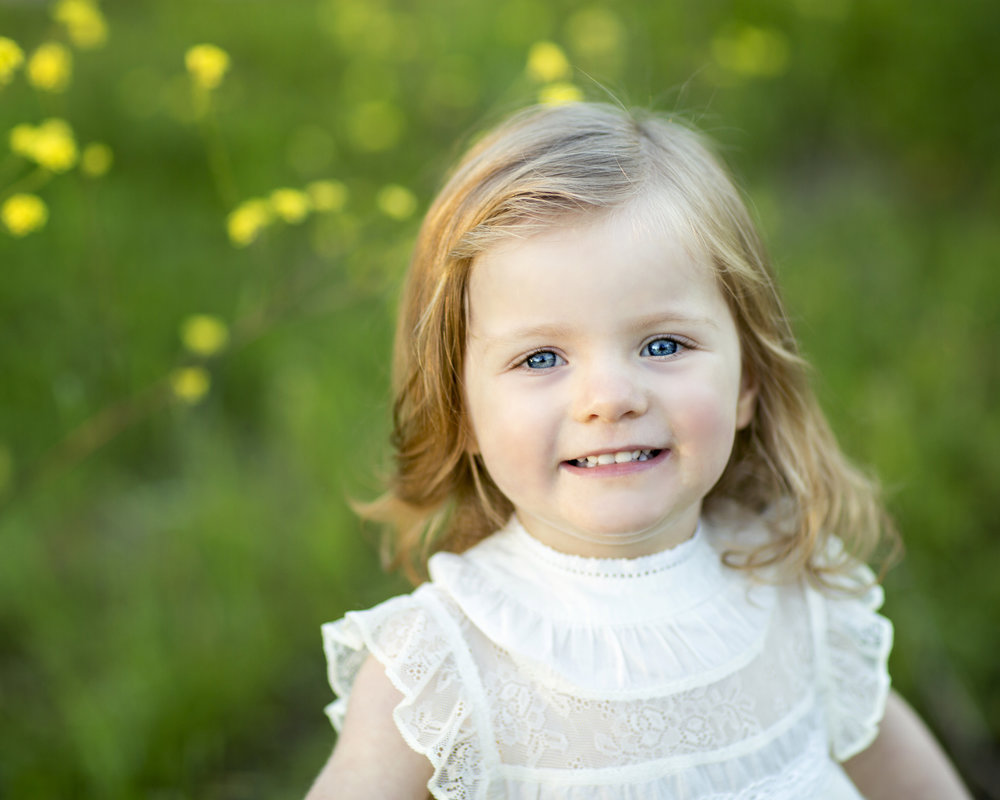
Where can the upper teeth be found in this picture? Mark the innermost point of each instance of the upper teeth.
(614, 458)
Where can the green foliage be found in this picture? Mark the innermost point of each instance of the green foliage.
(173, 505)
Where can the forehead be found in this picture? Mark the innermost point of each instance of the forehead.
(652, 208)
(652, 218)
(592, 271)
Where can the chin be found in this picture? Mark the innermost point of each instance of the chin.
(623, 522)
(615, 531)
(642, 526)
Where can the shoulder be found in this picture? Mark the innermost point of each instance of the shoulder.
(402, 676)
(408, 635)
(851, 640)
(372, 759)
(904, 761)
(852, 644)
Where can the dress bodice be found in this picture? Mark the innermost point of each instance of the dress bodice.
(527, 672)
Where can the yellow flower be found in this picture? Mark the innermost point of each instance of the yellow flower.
(396, 201)
(22, 140)
(24, 213)
(247, 220)
(290, 204)
(206, 64)
(327, 195)
(84, 22)
(547, 62)
(50, 67)
(557, 94)
(96, 160)
(204, 335)
(54, 148)
(50, 145)
(11, 59)
(190, 384)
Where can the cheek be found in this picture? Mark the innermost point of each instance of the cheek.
(706, 419)
(508, 463)
(512, 436)
(503, 429)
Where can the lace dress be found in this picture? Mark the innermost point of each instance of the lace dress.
(529, 673)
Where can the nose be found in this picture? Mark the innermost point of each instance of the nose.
(608, 391)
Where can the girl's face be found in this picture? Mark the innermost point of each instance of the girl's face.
(603, 384)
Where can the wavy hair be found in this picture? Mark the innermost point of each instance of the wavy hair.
(547, 166)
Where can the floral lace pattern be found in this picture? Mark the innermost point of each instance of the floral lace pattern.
(502, 721)
(857, 643)
(535, 723)
(420, 659)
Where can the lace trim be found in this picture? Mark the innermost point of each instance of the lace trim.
(423, 658)
(797, 767)
(852, 645)
(613, 568)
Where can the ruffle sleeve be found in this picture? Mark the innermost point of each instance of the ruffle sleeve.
(413, 638)
(852, 643)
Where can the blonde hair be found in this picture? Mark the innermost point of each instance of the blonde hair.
(543, 167)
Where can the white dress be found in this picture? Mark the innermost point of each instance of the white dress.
(529, 673)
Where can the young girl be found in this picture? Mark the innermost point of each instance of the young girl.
(648, 577)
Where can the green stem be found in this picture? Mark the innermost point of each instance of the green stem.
(31, 182)
(9, 167)
(219, 164)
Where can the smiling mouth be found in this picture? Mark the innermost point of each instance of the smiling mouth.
(620, 457)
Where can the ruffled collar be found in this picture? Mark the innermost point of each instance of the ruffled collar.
(609, 623)
(621, 568)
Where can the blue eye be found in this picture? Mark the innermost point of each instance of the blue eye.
(543, 359)
(662, 347)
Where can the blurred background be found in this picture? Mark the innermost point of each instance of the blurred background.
(205, 209)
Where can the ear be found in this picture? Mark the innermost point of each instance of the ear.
(746, 404)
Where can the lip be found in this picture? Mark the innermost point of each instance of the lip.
(623, 468)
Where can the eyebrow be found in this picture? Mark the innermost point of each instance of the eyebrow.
(674, 317)
(543, 331)
(555, 331)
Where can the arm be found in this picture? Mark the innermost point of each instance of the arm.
(371, 758)
(904, 762)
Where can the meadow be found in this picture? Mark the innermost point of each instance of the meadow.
(205, 210)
